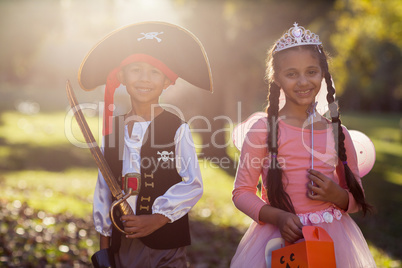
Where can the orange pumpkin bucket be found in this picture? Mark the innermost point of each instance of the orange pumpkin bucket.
(316, 251)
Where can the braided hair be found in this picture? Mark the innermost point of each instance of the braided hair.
(277, 196)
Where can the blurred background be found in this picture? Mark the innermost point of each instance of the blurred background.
(46, 182)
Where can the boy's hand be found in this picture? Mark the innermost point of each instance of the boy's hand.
(325, 189)
(142, 225)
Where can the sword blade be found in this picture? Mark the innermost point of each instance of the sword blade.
(95, 150)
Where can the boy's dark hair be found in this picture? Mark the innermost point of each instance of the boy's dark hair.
(277, 195)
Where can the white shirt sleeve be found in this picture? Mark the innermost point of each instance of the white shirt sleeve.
(181, 197)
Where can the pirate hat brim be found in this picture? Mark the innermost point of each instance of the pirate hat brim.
(175, 46)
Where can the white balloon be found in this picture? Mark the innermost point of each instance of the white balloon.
(365, 151)
(240, 131)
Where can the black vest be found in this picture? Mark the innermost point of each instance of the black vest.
(158, 174)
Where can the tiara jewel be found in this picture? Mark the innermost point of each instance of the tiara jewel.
(297, 36)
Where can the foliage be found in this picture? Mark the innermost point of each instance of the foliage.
(368, 53)
(31, 237)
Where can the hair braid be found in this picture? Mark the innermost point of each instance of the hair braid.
(276, 193)
(339, 136)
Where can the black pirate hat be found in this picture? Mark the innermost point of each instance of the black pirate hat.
(174, 50)
(176, 47)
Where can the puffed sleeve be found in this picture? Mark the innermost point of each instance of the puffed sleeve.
(250, 167)
(102, 201)
(353, 165)
(181, 197)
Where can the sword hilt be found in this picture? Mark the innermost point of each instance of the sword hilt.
(124, 207)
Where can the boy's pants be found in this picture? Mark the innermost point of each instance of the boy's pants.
(134, 254)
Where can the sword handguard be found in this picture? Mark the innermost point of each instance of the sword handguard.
(124, 208)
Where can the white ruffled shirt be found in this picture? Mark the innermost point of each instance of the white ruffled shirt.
(177, 200)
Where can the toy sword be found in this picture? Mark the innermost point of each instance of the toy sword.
(100, 160)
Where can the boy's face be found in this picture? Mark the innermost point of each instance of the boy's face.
(143, 82)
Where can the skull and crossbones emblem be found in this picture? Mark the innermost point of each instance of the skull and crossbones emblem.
(150, 36)
(165, 156)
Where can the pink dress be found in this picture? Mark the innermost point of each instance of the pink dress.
(294, 155)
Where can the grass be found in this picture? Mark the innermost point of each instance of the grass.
(41, 166)
(382, 185)
(216, 205)
(54, 192)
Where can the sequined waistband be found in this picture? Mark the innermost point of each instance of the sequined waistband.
(326, 215)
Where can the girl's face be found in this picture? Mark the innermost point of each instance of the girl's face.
(299, 75)
(143, 82)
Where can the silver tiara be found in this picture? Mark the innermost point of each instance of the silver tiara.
(297, 36)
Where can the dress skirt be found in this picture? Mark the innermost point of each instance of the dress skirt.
(351, 249)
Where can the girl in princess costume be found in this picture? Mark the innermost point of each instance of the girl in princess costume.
(149, 149)
(307, 163)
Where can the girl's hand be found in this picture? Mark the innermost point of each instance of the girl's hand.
(142, 225)
(325, 189)
(290, 226)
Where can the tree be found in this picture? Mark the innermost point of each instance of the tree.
(368, 54)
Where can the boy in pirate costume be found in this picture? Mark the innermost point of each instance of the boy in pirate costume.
(149, 150)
